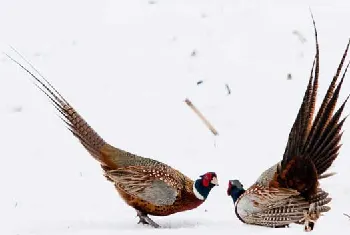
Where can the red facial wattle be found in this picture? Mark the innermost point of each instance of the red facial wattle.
(206, 179)
(229, 189)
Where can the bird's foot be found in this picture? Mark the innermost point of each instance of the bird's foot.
(144, 219)
(310, 218)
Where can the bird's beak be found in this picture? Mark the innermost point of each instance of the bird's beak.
(215, 181)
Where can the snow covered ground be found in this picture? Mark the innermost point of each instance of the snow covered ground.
(127, 67)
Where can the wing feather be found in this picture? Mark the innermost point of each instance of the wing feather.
(149, 184)
(273, 207)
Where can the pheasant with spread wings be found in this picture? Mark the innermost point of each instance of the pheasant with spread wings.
(289, 191)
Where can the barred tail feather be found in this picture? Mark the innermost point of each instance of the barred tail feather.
(317, 125)
(75, 123)
(324, 142)
(303, 124)
(318, 139)
(320, 198)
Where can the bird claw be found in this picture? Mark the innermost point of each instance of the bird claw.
(310, 218)
(144, 219)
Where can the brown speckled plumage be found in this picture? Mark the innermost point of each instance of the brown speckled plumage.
(149, 186)
(289, 192)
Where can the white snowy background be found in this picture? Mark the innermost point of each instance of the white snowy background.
(127, 67)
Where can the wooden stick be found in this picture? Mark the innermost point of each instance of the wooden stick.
(228, 89)
(200, 115)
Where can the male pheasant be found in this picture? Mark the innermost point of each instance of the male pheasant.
(149, 186)
(289, 192)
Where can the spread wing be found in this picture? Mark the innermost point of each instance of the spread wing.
(152, 185)
(274, 207)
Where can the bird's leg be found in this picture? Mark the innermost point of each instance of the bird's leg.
(310, 217)
(144, 219)
(141, 215)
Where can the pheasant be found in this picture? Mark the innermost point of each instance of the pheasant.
(289, 191)
(149, 186)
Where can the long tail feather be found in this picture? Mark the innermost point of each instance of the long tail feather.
(314, 144)
(75, 123)
(303, 123)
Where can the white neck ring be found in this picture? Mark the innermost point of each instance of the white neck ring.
(196, 193)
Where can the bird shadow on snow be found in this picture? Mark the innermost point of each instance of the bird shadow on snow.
(78, 226)
(180, 224)
(71, 226)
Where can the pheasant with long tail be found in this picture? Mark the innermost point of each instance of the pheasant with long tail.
(149, 186)
(289, 191)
